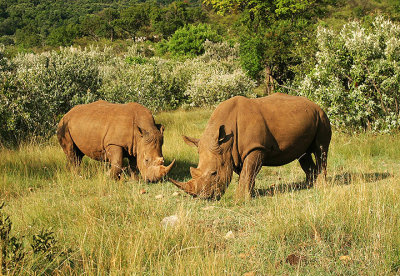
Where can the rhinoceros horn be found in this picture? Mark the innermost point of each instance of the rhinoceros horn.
(189, 187)
(155, 173)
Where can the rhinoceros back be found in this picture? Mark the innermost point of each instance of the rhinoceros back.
(94, 126)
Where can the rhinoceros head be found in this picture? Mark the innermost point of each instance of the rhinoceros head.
(214, 171)
(150, 160)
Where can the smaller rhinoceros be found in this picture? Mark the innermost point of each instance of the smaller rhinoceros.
(110, 132)
(244, 134)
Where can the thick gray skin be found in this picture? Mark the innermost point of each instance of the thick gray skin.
(244, 134)
(110, 132)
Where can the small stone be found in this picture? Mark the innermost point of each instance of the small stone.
(142, 191)
(170, 221)
(229, 235)
(159, 196)
(176, 194)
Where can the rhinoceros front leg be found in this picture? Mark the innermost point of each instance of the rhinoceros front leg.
(251, 167)
(115, 157)
(133, 168)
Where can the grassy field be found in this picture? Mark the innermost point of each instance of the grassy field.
(348, 225)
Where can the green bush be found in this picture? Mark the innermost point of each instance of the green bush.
(189, 40)
(357, 75)
(37, 89)
(149, 84)
(42, 87)
(252, 50)
(213, 86)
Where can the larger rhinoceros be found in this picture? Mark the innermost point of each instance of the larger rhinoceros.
(244, 134)
(109, 132)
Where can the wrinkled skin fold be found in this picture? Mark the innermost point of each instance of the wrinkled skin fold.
(244, 134)
(111, 132)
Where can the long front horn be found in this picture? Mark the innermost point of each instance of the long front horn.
(165, 170)
(186, 186)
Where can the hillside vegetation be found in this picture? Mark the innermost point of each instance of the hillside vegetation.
(347, 225)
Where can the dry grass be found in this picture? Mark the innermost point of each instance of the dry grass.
(348, 225)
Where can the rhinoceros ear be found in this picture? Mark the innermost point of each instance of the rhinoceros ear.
(160, 127)
(193, 142)
(222, 136)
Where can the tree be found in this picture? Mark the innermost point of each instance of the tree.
(271, 32)
(357, 75)
(166, 21)
(63, 36)
(134, 20)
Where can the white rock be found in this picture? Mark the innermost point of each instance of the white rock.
(229, 235)
(159, 196)
(175, 194)
(170, 221)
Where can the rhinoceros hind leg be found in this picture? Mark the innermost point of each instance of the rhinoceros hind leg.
(251, 167)
(309, 167)
(74, 155)
(115, 157)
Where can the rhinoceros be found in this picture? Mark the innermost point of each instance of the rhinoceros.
(244, 134)
(110, 132)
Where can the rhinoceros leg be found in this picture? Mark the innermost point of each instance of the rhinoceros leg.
(251, 167)
(133, 167)
(115, 157)
(309, 167)
(74, 155)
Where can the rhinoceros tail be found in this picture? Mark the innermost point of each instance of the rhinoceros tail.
(74, 155)
(322, 141)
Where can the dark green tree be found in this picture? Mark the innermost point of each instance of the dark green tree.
(189, 40)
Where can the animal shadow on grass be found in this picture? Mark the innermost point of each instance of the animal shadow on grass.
(181, 170)
(345, 178)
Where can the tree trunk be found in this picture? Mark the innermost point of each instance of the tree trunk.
(269, 81)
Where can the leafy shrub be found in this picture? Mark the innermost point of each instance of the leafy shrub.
(43, 87)
(37, 89)
(220, 51)
(142, 83)
(252, 50)
(357, 75)
(189, 40)
(162, 84)
(212, 87)
(135, 60)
